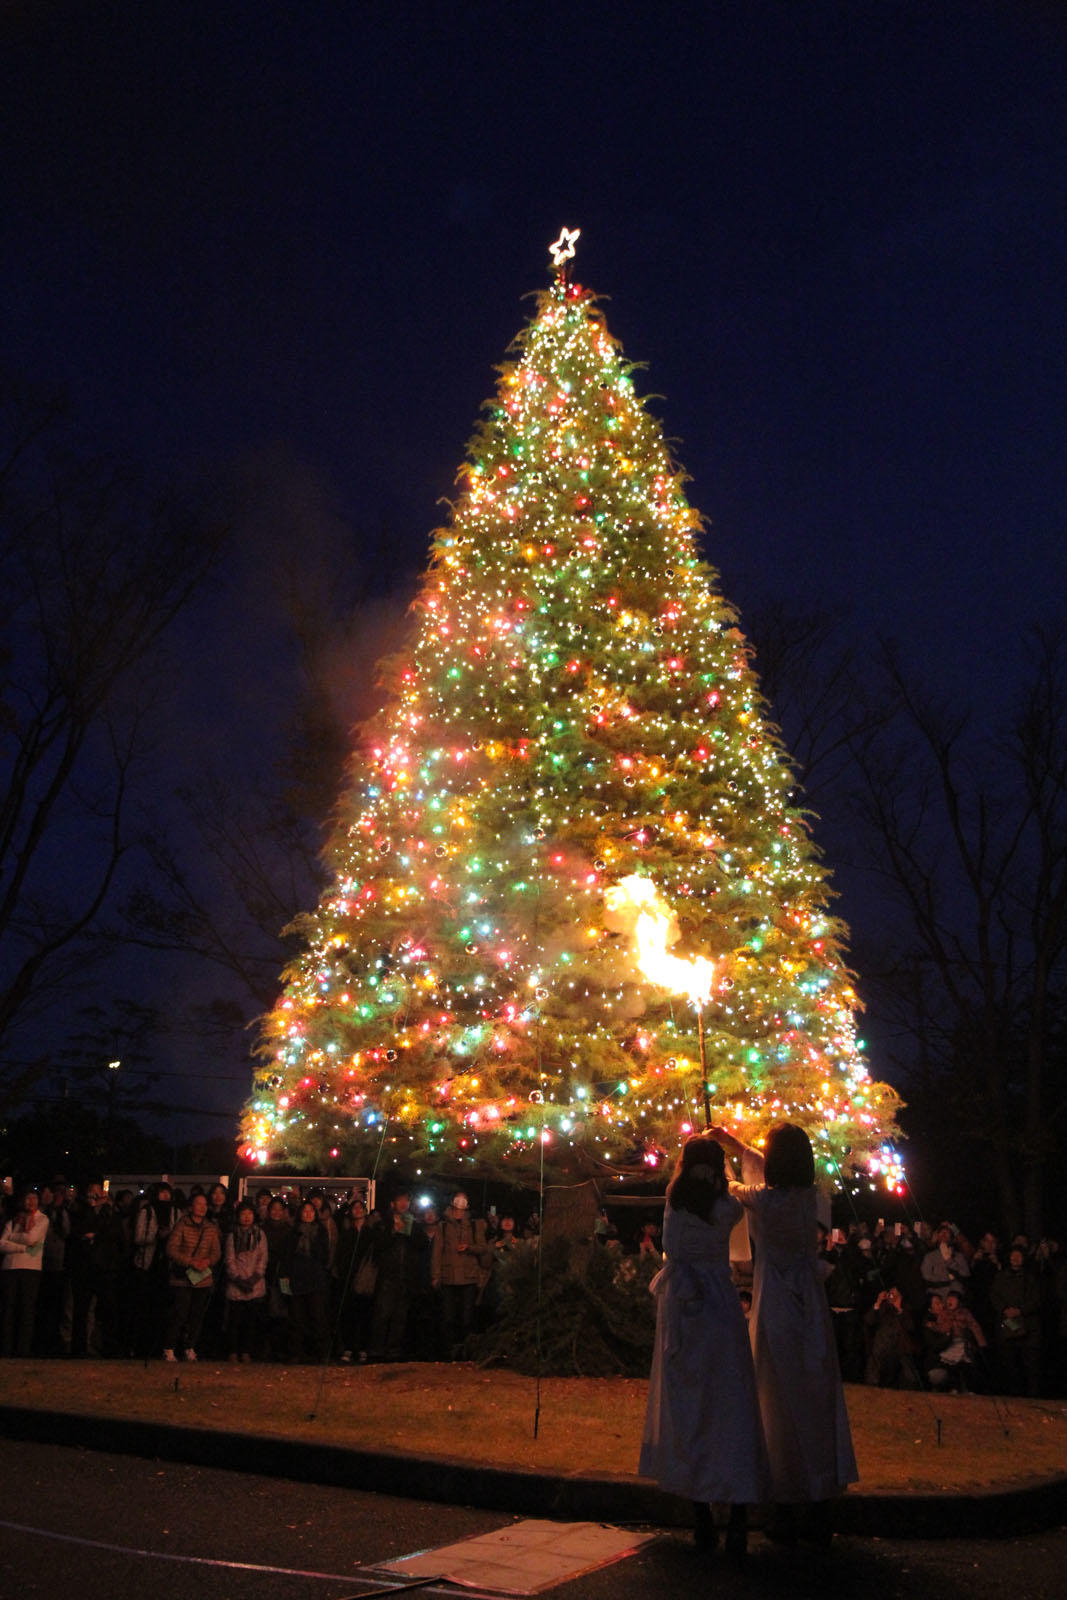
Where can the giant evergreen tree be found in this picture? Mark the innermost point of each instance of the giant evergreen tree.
(574, 772)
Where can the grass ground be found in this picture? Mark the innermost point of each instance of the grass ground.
(904, 1442)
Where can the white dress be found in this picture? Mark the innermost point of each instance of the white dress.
(702, 1435)
(803, 1405)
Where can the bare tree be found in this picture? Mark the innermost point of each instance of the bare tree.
(255, 868)
(970, 832)
(811, 675)
(94, 569)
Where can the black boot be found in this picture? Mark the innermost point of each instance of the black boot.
(819, 1523)
(737, 1534)
(705, 1536)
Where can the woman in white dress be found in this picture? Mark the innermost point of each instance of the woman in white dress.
(801, 1400)
(702, 1437)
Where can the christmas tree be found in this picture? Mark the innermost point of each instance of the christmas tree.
(573, 911)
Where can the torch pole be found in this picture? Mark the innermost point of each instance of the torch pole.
(704, 1065)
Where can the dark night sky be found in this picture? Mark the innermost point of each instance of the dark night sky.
(300, 234)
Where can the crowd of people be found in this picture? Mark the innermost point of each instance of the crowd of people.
(276, 1277)
(920, 1307)
(163, 1274)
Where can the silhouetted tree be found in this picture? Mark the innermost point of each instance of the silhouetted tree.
(969, 831)
(94, 569)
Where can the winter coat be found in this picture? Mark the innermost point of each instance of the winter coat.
(397, 1248)
(354, 1246)
(55, 1241)
(306, 1261)
(23, 1248)
(245, 1257)
(941, 1271)
(959, 1326)
(1021, 1290)
(461, 1253)
(94, 1249)
(151, 1229)
(277, 1232)
(193, 1244)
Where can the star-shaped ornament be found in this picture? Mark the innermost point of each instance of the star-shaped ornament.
(563, 249)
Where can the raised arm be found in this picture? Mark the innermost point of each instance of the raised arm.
(751, 1160)
(752, 1173)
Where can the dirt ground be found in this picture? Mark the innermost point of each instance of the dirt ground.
(904, 1442)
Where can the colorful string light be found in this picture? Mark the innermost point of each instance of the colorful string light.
(577, 708)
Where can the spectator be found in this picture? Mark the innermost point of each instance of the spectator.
(123, 1210)
(987, 1261)
(396, 1247)
(460, 1258)
(212, 1335)
(95, 1254)
(648, 1241)
(324, 1212)
(890, 1363)
(152, 1226)
(22, 1247)
(1016, 1300)
(194, 1249)
(305, 1279)
(277, 1228)
(219, 1208)
(868, 1273)
(53, 1197)
(355, 1275)
(846, 1292)
(604, 1229)
(934, 1338)
(424, 1311)
(944, 1266)
(900, 1270)
(963, 1338)
(245, 1269)
(507, 1240)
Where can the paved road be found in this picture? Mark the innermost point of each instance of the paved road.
(80, 1525)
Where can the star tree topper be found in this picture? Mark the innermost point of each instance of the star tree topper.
(563, 249)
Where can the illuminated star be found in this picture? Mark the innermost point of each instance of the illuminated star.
(563, 249)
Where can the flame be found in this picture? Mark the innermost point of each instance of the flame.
(634, 906)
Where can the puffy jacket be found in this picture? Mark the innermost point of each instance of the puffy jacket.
(193, 1244)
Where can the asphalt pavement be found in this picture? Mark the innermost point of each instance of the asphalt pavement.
(76, 1524)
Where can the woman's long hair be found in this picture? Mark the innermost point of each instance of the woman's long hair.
(699, 1180)
(788, 1159)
